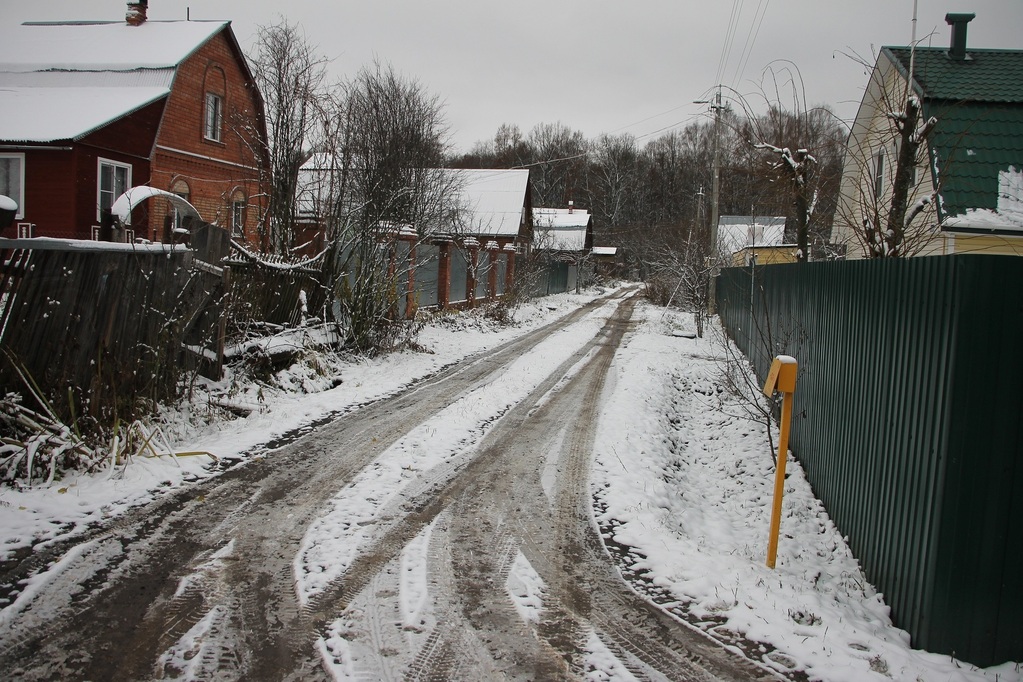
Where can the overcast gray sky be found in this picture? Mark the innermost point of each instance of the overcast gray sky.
(595, 65)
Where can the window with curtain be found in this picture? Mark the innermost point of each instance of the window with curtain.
(114, 180)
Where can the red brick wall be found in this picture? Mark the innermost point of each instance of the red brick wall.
(60, 179)
(49, 188)
(60, 185)
(215, 172)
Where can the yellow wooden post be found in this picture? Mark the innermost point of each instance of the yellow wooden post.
(782, 379)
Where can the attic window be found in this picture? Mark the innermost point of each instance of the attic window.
(214, 116)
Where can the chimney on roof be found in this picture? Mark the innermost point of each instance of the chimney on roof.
(136, 14)
(958, 22)
(571, 206)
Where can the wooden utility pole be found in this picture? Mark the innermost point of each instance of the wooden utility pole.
(715, 195)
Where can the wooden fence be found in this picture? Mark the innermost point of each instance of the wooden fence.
(99, 327)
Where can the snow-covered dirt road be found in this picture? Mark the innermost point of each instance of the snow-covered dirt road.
(444, 533)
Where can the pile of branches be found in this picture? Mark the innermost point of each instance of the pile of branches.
(37, 445)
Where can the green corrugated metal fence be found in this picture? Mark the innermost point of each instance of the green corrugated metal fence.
(908, 418)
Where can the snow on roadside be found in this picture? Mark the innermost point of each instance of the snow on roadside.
(685, 480)
(297, 397)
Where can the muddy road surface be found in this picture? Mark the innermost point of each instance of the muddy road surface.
(480, 563)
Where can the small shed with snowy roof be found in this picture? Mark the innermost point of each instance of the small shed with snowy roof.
(568, 231)
(92, 108)
(754, 240)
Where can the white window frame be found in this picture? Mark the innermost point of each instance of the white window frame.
(880, 172)
(21, 182)
(100, 162)
(213, 117)
(238, 207)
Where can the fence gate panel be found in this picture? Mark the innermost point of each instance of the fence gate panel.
(459, 275)
(427, 272)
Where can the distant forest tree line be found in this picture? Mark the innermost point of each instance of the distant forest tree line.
(653, 197)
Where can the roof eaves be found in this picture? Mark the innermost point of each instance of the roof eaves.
(199, 46)
(129, 112)
(903, 69)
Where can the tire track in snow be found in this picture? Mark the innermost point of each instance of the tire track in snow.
(116, 626)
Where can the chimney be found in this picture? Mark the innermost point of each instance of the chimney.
(571, 206)
(136, 14)
(958, 22)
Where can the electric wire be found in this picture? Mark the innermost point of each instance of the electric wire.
(726, 48)
(751, 39)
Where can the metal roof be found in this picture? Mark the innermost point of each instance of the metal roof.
(561, 229)
(986, 75)
(739, 232)
(101, 46)
(52, 114)
(561, 217)
(978, 103)
(493, 201)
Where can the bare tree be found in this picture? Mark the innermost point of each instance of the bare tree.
(612, 182)
(290, 76)
(875, 204)
(558, 161)
(803, 150)
(379, 190)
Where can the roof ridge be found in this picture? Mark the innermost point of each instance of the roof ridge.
(103, 22)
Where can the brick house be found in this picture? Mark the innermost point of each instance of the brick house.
(477, 256)
(91, 108)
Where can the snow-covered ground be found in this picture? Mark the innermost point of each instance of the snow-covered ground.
(681, 475)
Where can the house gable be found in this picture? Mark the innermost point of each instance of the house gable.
(973, 151)
(131, 97)
(218, 170)
(978, 102)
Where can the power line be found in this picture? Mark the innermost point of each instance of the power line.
(726, 47)
(751, 39)
(648, 118)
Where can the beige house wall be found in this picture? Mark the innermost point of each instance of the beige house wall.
(871, 131)
(765, 255)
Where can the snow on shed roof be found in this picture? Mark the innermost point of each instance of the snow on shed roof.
(738, 232)
(560, 229)
(493, 200)
(48, 114)
(101, 46)
(561, 217)
(604, 250)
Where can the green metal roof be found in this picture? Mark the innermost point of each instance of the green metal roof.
(970, 145)
(984, 76)
(978, 103)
